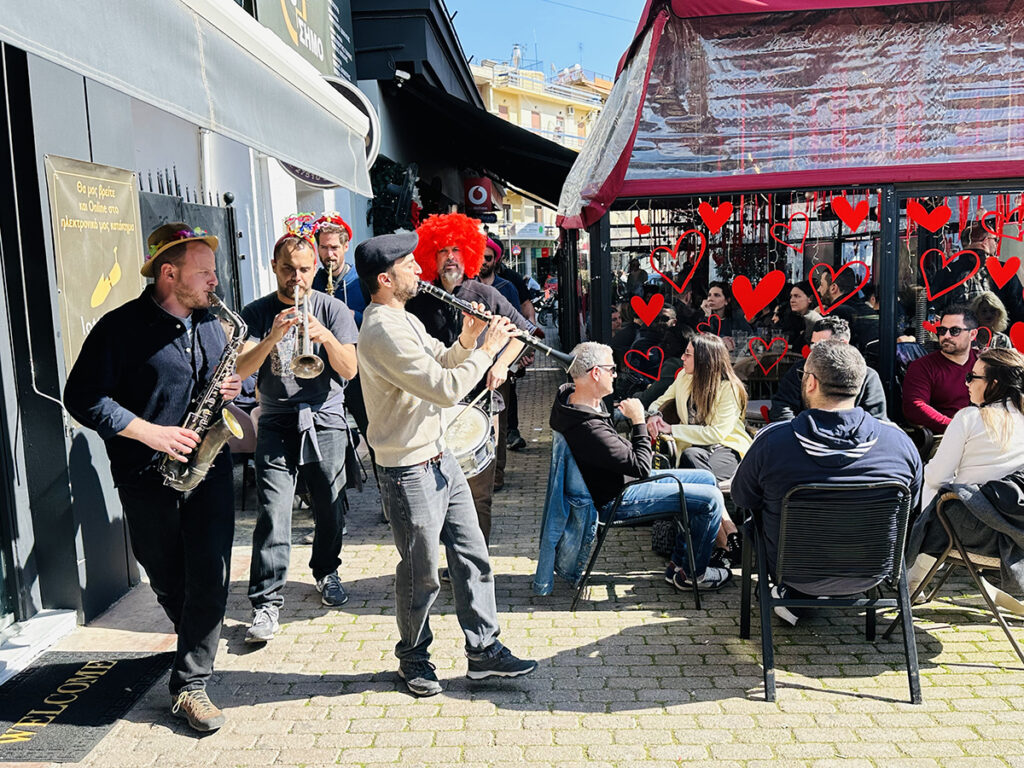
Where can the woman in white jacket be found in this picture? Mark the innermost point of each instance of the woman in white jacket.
(983, 442)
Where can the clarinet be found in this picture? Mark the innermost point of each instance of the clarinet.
(206, 414)
(562, 358)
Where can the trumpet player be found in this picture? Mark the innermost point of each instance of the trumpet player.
(302, 344)
(133, 382)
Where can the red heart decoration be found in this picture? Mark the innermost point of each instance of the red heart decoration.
(764, 414)
(1017, 336)
(647, 311)
(647, 357)
(788, 227)
(714, 320)
(999, 224)
(850, 216)
(641, 229)
(946, 261)
(753, 300)
(847, 297)
(805, 351)
(929, 326)
(1002, 273)
(932, 220)
(714, 218)
(988, 338)
(675, 255)
(767, 346)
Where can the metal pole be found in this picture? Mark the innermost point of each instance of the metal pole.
(601, 280)
(887, 280)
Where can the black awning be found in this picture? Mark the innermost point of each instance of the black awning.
(468, 136)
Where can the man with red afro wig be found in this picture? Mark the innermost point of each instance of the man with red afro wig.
(449, 253)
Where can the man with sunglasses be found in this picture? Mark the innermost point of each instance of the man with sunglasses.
(933, 389)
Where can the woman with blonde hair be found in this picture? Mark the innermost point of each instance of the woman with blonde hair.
(711, 405)
(983, 442)
(992, 314)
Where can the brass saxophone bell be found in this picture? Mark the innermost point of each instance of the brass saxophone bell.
(305, 365)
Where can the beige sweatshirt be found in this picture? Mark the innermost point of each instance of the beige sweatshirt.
(407, 377)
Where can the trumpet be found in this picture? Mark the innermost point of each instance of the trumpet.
(305, 365)
(563, 359)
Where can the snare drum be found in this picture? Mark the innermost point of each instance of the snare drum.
(469, 437)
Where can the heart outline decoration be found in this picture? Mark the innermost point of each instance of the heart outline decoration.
(767, 346)
(1017, 336)
(1002, 273)
(646, 356)
(715, 218)
(987, 344)
(752, 300)
(932, 220)
(945, 263)
(675, 257)
(647, 311)
(641, 228)
(929, 326)
(1019, 237)
(707, 324)
(851, 216)
(789, 228)
(814, 288)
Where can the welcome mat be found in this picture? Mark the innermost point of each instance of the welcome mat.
(56, 710)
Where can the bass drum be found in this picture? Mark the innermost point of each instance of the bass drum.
(469, 437)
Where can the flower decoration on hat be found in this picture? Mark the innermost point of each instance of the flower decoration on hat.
(450, 230)
(300, 225)
(332, 217)
(168, 235)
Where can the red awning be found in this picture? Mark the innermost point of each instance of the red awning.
(876, 94)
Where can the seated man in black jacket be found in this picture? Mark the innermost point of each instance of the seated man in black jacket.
(787, 403)
(607, 462)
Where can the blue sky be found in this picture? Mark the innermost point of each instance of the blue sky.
(549, 30)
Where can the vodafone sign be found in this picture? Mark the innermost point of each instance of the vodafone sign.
(479, 195)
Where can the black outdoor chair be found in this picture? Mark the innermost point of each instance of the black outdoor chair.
(957, 554)
(854, 532)
(607, 521)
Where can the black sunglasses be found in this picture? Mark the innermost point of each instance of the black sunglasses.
(972, 376)
(954, 331)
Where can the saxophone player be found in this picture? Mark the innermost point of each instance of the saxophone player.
(302, 429)
(133, 383)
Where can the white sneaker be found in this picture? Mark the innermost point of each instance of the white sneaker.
(784, 612)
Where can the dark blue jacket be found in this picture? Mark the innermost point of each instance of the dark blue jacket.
(138, 360)
(820, 446)
(348, 290)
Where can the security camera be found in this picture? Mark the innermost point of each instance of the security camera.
(402, 77)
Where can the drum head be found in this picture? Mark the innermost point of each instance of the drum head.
(468, 431)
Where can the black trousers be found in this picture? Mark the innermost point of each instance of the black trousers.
(184, 544)
(718, 460)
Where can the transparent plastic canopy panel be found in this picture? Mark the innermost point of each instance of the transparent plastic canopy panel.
(808, 91)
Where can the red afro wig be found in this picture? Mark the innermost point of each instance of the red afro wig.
(449, 230)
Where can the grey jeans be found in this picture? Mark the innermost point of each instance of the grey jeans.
(430, 504)
(277, 467)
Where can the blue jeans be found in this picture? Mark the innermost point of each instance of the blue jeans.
(430, 504)
(277, 467)
(705, 506)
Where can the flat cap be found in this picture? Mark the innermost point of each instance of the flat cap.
(375, 255)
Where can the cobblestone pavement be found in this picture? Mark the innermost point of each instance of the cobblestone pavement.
(636, 677)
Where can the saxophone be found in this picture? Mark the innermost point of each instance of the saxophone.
(206, 414)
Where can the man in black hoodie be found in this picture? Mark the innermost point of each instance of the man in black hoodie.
(832, 441)
(607, 461)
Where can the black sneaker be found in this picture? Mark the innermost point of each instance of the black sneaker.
(720, 559)
(196, 707)
(710, 580)
(264, 624)
(500, 664)
(419, 678)
(670, 571)
(735, 549)
(515, 441)
(332, 594)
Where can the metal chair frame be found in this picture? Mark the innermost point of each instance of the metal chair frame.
(956, 554)
(895, 576)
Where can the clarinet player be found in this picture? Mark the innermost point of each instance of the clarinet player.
(133, 382)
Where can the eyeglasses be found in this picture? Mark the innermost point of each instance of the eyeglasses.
(609, 368)
(942, 330)
(972, 376)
